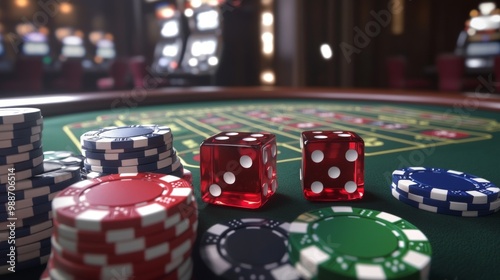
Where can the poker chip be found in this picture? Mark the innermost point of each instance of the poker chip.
(28, 256)
(10, 159)
(129, 162)
(7, 144)
(20, 149)
(126, 154)
(35, 246)
(38, 261)
(21, 133)
(445, 185)
(28, 230)
(153, 269)
(161, 164)
(22, 125)
(179, 270)
(52, 173)
(20, 175)
(19, 115)
(441, 210)
(39, 191)
(27, 212)
(45, 274)
(451, 205)
(171, 228)
(126, 137)
(165, 252)
(124, 225)
(354, 243)
(226, 250)
(4, 245)
(29, 221)
(64, 157)
(187, 175)
(24, 165)
(28, 202)
(121, 200)
(128, 246)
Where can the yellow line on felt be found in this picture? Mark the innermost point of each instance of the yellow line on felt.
(72, 137)
(193, 120)
(189, 127)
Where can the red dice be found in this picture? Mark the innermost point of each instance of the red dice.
(238, 169)
(332, 165)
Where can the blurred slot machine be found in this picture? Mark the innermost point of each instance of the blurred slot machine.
(480, 40)
(72, 43)
(204, 44)
(104, 48)
(35, 41)
(168, 51)
(4, 60)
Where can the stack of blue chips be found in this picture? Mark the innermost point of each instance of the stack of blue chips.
(445, 191)
(130, 149)
(28, 183)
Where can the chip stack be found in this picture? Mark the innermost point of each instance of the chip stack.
(130, 149)
(248, 248)
(28, 183)
(124, 226)
(445, 191)
(343, 242)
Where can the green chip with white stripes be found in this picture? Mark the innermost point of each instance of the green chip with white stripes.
(343, 242)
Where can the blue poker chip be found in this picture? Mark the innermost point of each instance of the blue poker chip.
(28, 256)
(130, 162)
(19, 175)
(440, 210)
(19, 166)
(27, 211)
(28, 202)
(126, 137)
(19, 115)
(4, 160)
(169, 162)
(64, 157)
(52, 173)
(138, 153)
(225, 249)
(35, 246)
(21, 133)
(38, 261)
(20, 149)
(17, 126)
(5, 144)
(452, 205)
(22, 241)
(445, 185)
(27, 230)
(179, 172)
(40, 191)
(29, 221)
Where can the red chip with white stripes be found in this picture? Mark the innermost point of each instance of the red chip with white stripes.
(121, 201)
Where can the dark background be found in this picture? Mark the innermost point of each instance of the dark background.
(430, 27)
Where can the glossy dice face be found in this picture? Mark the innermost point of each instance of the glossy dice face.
(332, 165)
(238, 169)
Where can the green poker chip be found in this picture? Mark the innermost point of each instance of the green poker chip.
(353, 243)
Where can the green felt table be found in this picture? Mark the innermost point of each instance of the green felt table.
(400, 129)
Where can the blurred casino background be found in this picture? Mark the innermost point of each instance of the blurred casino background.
(91, 45)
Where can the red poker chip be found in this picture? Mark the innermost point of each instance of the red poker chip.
(121, 201)
(146, 270)
(45, 274)
(173, 250)
(171, 228)
(188, 176)
(124, 247)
